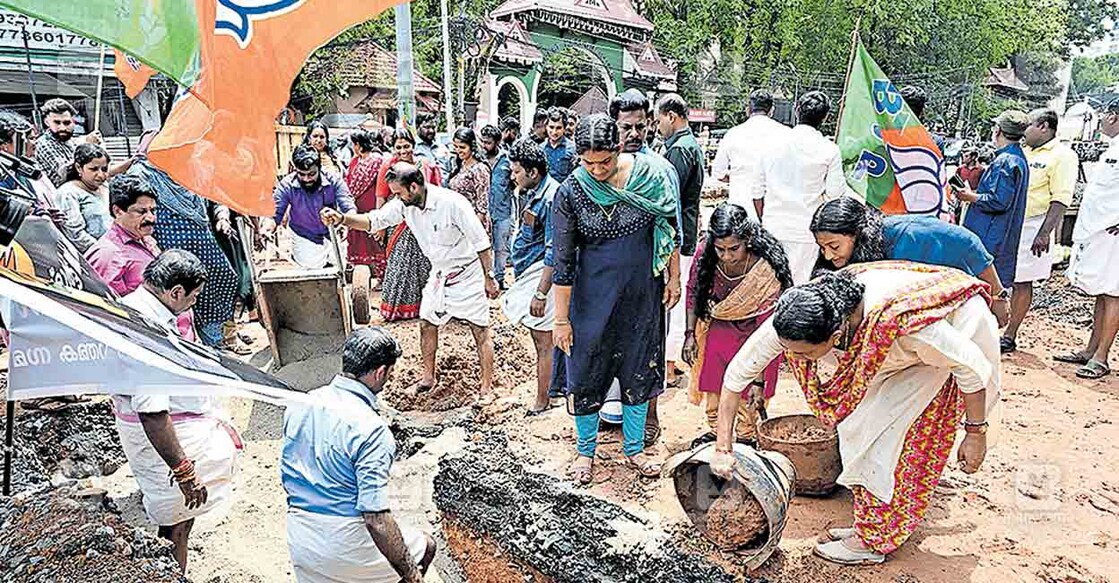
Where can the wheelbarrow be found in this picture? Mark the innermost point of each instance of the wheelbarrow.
(307, 313)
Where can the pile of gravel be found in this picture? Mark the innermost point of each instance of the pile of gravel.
(1057, 300)
(49, 536)
(77, 442)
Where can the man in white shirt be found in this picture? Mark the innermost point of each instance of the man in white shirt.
(454, 240)
(794, 178)
(1094, 266)
(180, 437)
(742, 146)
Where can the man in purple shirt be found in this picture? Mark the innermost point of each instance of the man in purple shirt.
(305, 193)
(122, 254)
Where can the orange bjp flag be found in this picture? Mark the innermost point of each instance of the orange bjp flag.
(219, 140)
(131, 72)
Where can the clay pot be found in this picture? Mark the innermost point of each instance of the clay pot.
(812, 447)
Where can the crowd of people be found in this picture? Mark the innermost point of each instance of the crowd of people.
(589, 237)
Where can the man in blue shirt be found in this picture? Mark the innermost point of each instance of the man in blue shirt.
(558, 148)
(305, 193)
(335, 469)
(998, 206)
(501, 199)
(530, 300)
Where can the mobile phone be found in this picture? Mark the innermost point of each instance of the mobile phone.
(958, 182)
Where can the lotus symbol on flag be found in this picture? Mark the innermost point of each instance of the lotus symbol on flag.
(920, 177)
(235, 17)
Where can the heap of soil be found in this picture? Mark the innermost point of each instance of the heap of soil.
(77, 442)
(549, 527)
(800, 432)
(458, 375)
(736, 520)
(48, 537)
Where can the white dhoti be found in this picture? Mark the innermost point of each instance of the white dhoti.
(210, 442)
(802, 258)
(517, 300)
(309, 254)
(1094, 265)
(678, 317)
(459, 293)
(1031, 267)
(339, 549)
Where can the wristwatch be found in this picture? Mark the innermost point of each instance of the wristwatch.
(540, 295)
(1003, 295)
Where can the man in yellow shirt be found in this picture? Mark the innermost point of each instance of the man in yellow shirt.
(1053, 170)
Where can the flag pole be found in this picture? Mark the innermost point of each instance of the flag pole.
(100, 83)
(31, 81)
(850, 67)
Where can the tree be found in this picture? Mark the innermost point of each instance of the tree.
(1094, 75)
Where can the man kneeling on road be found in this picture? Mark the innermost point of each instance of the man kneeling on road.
(184, 434)
(456, 243)
(335, 470)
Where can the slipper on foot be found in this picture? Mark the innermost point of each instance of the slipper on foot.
(837, 552)
(1007, 345)
(1072, 358)
(841, 532)
(1093, 369)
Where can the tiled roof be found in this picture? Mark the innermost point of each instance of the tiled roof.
(1005, 78)
(649, 61)
(613, 11)
(593, 101)
(366, 64)
(518, 46)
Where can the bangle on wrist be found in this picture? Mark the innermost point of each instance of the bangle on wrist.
(562, 322)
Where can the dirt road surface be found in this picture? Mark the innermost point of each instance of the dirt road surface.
(1045, 506)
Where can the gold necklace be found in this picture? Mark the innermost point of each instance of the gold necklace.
(609, 214)
(728, 276)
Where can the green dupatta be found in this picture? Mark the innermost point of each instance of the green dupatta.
(650, 188)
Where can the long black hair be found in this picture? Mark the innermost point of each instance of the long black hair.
(731, 219)
(84, 154)
(849, 216)
(812, 312)
(466, 136)
(311, 127)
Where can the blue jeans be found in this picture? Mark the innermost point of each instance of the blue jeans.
(633, 431)
(501, 232)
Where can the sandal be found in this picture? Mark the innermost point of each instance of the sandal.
(1072, 358)
(652, 434)
(582, 474)
(644, 466)
(1007, 345)
(1093, 369)
(841, 532)
(838, 552)
(535, 412)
